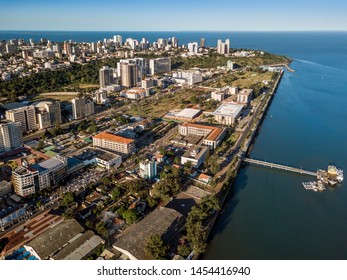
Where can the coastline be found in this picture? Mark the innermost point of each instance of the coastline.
(247, 147)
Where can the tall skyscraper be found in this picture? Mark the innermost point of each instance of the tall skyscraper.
(106, 76)
(223, 48)
(193, 48)
(174, 42)
(82, 108)
(202, 42)
(160, 65)
(10, 136)
(67, 48)
(25, 115)
(118, 40)
(129, 73)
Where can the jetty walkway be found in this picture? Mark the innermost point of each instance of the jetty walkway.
(280, 166)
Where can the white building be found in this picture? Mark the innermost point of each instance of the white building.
(159, 65)
(193, 48)
(218, 95)
(244, 96)
(29, 180)
(134, 93)
(82, 107)
(190, 77)
(25, 115)
(223, 47)
(115, 143)
(148, 169)
(227, 114)
(195, 155)
(106, 76)
(10, 136)
(49, 113)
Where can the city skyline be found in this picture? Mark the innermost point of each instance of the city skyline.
(156, 16)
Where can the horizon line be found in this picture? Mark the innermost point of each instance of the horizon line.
(56, 30)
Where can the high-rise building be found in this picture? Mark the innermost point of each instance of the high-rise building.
(106, 76)
(174, 42)
(67, 48)
(82, 108)
(193, 48)
(39, 176)
(49, 114)
(223, 48)
(10, 136)
(160, 65)
(202, 42)
(25, 115)
(129, 73)
(148, 169)
(118, 40)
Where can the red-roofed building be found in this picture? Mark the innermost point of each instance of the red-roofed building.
(115, 143)
(213, 135)
(204, 178)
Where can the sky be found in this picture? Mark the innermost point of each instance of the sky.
(175, 15)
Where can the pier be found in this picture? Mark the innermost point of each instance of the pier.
(280, 166)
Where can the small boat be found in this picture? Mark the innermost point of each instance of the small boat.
(332, 182)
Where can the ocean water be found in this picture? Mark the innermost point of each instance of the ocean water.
(269, 215)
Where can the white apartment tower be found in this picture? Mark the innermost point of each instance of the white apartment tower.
(223, 48)
(10, 136)
(82, 108)
(106, 76)
(25, 115)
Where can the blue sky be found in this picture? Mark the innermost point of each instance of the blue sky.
(175, 15)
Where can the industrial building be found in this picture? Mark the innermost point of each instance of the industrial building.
(227, 114)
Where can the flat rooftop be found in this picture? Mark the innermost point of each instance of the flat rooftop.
(47, 164)
(228, 110)
(188, 113)
(162, 221)
(47, 243)
(195, 152)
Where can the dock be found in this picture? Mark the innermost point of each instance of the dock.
(280, 166)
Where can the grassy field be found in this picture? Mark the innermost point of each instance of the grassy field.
(55, 97)
(242, 80)
(159, 107)
(88, 86)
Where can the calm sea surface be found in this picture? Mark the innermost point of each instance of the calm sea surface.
(269, 215)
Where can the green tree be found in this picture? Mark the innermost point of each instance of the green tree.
(156, 248)
(184, 250)
(116, 193)
(67, 199)
(130, 216)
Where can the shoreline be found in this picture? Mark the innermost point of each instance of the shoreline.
(249, 145)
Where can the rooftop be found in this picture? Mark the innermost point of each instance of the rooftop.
(47, 164)
(162, 221)
(246, 91)
(215, 131)
(228, 110)
(47, 243)
(188, 113)
(114, 138)
(195, 152)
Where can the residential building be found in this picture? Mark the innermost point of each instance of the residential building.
(218, 95)
(227, 114)
(244, 96)
(193, 48)
(223, 47)
(115, 143)
(25, 115)
(106, 76)
(39, 176)
(195, 155)
(82, 107)
(129, 74)
(212, 135)
(231, 65)
(204, 178)
(148, 169)
(118, 40)
(202, 42)
(159, 65)
(49, 114)
(10, 136)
